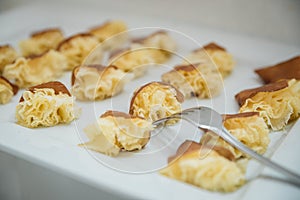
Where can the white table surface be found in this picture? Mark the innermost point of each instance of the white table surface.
(56, 148)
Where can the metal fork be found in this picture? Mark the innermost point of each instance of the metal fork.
(209, 119)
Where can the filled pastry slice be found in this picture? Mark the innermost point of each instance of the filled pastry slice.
(278, 103)
(41, 41)
(115, 131)
(7, 55)
(214, 55)
(45, 105)
(29, 71)
(7, 90)
(77, 48)
(112, 34)
(154, 49)
(209, 167)
(159, 44)
(155, 100)
(97, 82)
(249, 128)
(195, 80)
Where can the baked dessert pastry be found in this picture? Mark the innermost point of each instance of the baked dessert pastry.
(249, 128)
(211, 168)
(195, 80)
(111, 34)
(7, 90)
(156, 100)
(134, 59)
(289, 69)
(41, 41)
(115, 131)
(7, 55)
(159, 44)
(156, 48)
(97, 82)
(278, 103)
(213, 54)
(26, 72)
(77, 47)
(44, 105)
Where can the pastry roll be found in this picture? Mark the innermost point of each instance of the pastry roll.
(249, 128)
(215, 55)
(195, 80)
(116, 131)
(26, 72)
(44, 105)
(289, 69)
(77, 47)
(7, 90)
(155, 100)
(7, 55)
(96, 82)
(111, 34)
(159, 44)
(41, 41)
(210, 168)
(278, 103)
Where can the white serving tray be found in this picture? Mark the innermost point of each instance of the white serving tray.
(134, 175)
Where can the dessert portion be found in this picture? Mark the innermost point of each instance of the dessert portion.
(154, 49)
(7, 55)
(249, 128)
(134, 59)
(289, 69)
(156, 100)
(44, 105)
(97, 82)
(195, 80)
(278, 103)
(160, 44)
(41, 41)
(111, 34)
(115, 131)
(215, 55)
(7, 90)
(26, 72)
(208, 167)
(77, 47)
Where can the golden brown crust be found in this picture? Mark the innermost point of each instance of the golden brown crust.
(42, 32)
(187, 68)
(213, 46)
(210, 46)
(14, 87)
(239, 115)
(285, 70)
(179, 95)
(57, 86)
(242, 96)
(142, 39)
(99, 27)
(190, 146)
(66, 41)
(5, 46)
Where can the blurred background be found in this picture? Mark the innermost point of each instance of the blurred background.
(273, 19)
